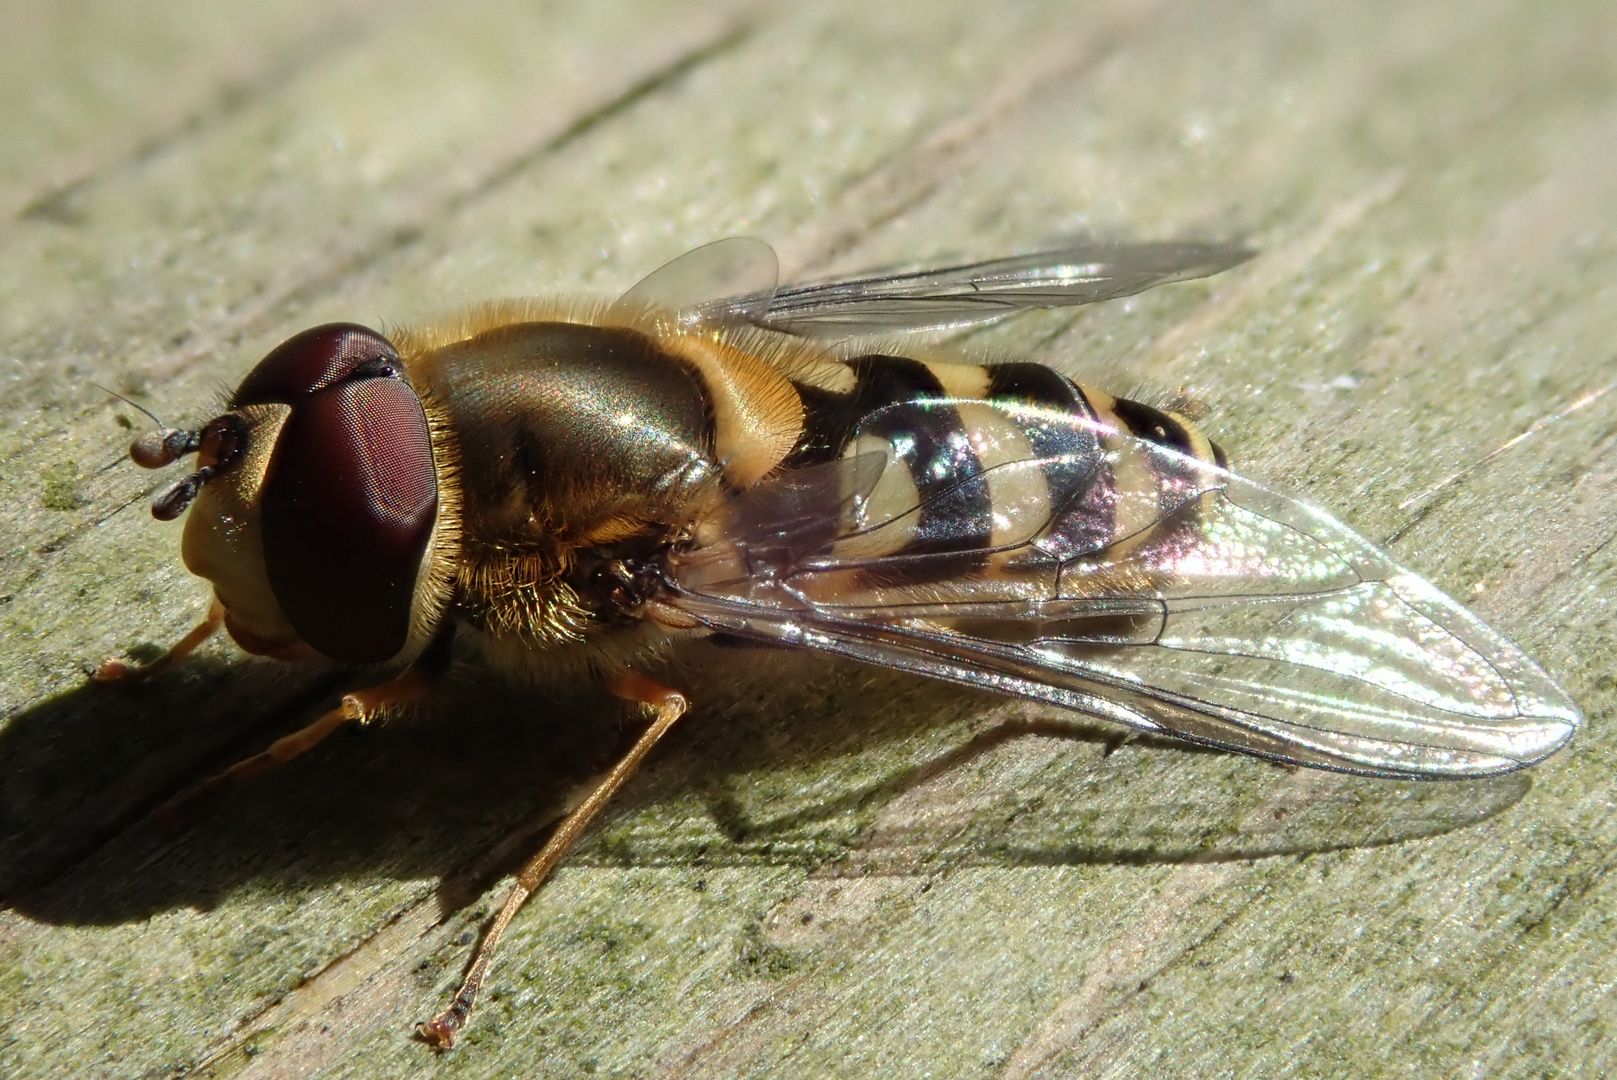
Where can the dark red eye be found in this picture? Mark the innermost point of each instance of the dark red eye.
(309, 362)
(350, 496)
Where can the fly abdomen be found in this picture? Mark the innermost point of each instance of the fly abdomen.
(1167, 429)
(986, 459)
(931, 498)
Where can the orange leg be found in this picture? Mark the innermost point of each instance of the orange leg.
(360, 706)
(115, 670)
(440, 1031)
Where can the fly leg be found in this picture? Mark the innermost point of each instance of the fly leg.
(357, 707)
(670, 705)
(116, 670)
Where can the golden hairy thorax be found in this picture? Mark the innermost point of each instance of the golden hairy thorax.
(581, 428)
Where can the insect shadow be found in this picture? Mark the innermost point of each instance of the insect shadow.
(800, 760)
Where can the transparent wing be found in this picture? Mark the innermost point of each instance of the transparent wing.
(957, 296)
(729, 279)
(1124, 580)
(735, 280)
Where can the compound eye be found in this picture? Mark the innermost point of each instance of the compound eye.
(314, 360)
(348, 508)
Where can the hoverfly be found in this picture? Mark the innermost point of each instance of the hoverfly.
(709, 454)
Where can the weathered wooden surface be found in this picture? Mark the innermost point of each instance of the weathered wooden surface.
(831, 871)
